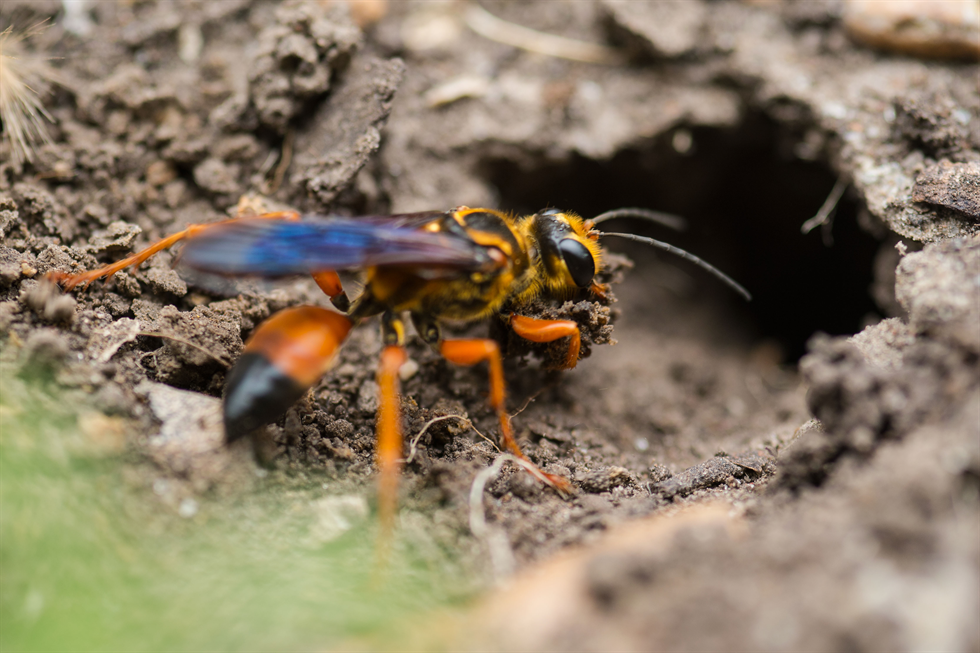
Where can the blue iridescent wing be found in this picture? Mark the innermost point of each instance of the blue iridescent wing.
(276, 248)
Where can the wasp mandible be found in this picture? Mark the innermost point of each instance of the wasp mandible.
(463, 265)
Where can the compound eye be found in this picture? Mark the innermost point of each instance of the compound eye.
(578, 259)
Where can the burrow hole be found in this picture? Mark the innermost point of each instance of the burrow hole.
(745, 195)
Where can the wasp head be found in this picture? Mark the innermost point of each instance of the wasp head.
(568, 250)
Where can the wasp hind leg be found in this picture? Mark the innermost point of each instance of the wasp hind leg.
(471, 352)
(69, 281)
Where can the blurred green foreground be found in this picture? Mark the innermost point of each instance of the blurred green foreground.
(89, 561)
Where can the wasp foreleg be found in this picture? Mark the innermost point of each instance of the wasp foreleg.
(471, 352)
(537, 330)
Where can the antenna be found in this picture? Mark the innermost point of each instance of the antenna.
(683, 254)
(675, 222)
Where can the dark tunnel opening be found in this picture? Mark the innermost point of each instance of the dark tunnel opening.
(745, 196)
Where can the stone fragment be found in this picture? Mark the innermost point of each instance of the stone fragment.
(941, 29)
(953, 186)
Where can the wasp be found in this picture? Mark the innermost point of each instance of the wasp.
(462, 265)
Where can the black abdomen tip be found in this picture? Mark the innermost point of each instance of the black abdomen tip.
(256, 393)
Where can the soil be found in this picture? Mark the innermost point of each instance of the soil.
(726, 497)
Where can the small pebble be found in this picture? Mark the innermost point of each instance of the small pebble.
(409, 369)
(188, 508)
(160, 173)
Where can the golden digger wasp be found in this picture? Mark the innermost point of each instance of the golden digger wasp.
(461, 265)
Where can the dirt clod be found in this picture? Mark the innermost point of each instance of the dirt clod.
(44, 352)
(720, 470)
(939, 288)
(927, 122)
(296, 58)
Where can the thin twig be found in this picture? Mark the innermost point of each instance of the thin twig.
(500, 553)
(284, 161)
(478, 520)
(528, 402)
(824, 216)
(492, 443)
(425, 427)
(501, 556)
(167, 336)
(489, 26)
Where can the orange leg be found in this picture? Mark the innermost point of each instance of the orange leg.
(471, 352)
(329, 283)
(537, 330)
(69, 281)
(389, 450)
